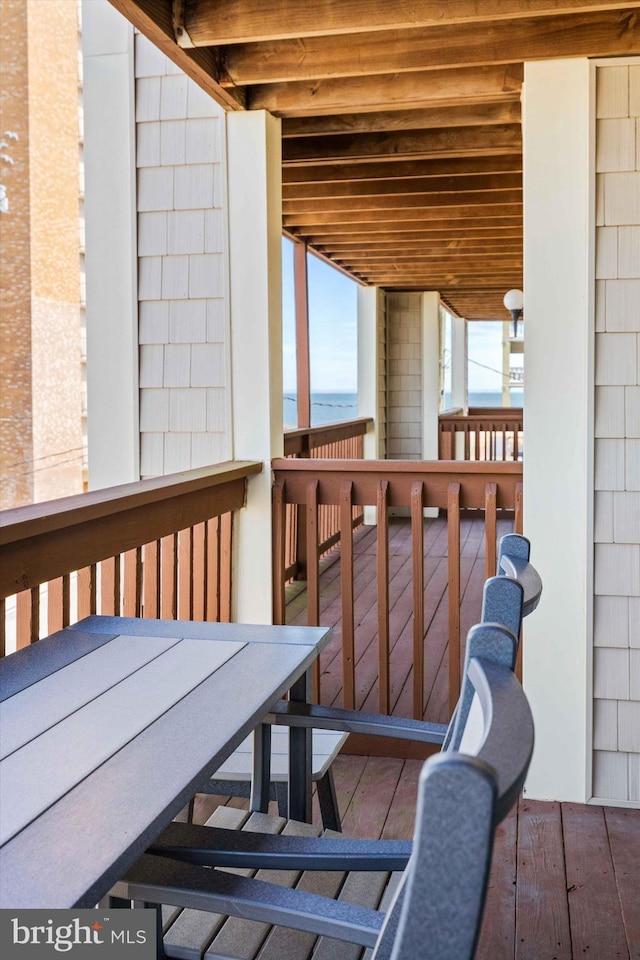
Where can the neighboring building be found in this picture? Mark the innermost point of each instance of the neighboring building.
(41, 436)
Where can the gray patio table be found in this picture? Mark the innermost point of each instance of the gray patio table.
(108, 727)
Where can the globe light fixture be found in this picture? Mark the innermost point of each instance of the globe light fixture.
(514, 302)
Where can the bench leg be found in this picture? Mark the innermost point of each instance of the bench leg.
(282, 796)
(328, 802)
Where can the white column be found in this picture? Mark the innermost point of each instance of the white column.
(110, 261)
(459, 363)
(255, 216)
(506, 365)
(558, 465)
(368, 361)
(430, 374)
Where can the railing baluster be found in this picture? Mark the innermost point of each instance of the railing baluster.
(87, 578)
(382, 578)
(226, 548)
(110, 586)
(27, 617)
(151, 580)
(168, 577)
(346, 578)
(279, 534)
(313, 570)
(417, 538)
(517, 523)
(213, 570)
(132, 599)
(58, 603)
(490, 530)
(198, 573)
(453, 561)
(185, 562)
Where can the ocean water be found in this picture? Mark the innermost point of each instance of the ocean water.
(331, 407)
(325, 408)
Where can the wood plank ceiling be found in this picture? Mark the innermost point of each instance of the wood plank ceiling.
(402, 145)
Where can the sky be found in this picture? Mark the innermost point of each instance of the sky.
(333, 333)
(332, 326)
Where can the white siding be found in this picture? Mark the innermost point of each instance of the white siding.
(616, 767)
(404, 379)
(182, 270)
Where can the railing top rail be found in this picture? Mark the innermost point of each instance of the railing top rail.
(485, 468)
(498, 415)
(309, 438)
(49, 516)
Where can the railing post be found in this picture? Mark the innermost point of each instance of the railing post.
(382, 578)
(279, 525)
(417, 544)
(313, 571)
(453, 548)
(346, 578)
(490, 530)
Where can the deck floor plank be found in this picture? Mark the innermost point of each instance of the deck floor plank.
(542, 920)
(372, 798)
(623, 829)
(597, 924)
(498, 927)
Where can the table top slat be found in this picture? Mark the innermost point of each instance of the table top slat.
(39, 773)
(38, 707)
(46, 656)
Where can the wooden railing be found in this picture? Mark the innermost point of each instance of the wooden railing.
(333, 441)
(489, 488)
(157, 548)
(489, 433)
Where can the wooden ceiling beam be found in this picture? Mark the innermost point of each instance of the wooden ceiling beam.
(605, 33)
(332, 173)
(416, 185)
(472, 233)
(214, 22)
(436, 269)
(457, 212)
(422, 88)
(428, 253)
(453, 142)
(377, 227)
(399, 202)
(153, 19)
(462, 115)
(374, 247)
(443, 282)
(463, 258)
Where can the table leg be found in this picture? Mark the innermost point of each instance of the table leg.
(300, 757)
(261, 777)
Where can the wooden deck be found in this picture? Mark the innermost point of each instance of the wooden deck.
(565, 880)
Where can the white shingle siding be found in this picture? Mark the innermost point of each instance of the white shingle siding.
(183, 309)
(403, 380)
(616, 766)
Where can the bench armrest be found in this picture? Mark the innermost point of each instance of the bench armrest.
(292, 714)
(219, 847)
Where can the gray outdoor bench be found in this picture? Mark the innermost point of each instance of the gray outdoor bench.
(332, 897)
